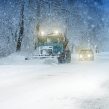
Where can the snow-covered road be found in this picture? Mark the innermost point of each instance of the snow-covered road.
(33, 85)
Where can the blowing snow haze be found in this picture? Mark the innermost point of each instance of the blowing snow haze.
(54, 54)
(86, 22)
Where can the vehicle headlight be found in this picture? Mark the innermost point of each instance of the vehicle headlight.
(89, 55)
(56, 32)
(81, 56)
(42, 33)
(44, 52)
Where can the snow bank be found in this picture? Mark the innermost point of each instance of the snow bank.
(79, 85)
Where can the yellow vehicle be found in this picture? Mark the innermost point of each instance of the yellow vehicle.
(86, 55)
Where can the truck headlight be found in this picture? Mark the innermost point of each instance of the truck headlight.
(42, 33)
(44, 52)
(56, 32)
(89, 55)
(81, 56)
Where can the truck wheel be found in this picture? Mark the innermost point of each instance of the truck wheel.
(68, 56)
(26, 59)
(61, 58)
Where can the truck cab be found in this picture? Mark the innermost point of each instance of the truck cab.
(54, 45)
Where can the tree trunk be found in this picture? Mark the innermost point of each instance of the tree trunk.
(21, 27)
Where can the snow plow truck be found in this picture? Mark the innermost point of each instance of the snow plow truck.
(54, 45)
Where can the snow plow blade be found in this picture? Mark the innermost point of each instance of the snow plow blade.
(41, 57)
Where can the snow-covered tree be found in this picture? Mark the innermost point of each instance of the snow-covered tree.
(83, 21)
(21, 27)
(86, 22)
(9, 22)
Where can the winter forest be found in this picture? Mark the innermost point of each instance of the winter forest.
(84, 22)
(54, 54)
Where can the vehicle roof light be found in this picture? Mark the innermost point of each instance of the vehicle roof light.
(42, 33)
(56, 32)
